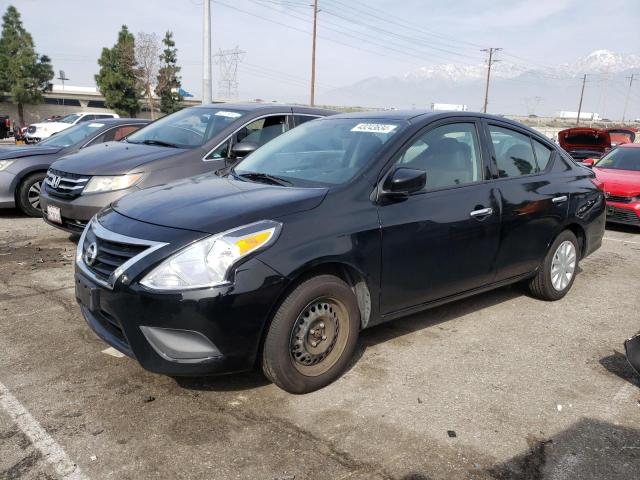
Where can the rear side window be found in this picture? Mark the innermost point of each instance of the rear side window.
(543, 155)
(514, 153)
(300, 119)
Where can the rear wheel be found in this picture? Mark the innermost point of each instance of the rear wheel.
(557, 273)
(312, 336)
(28, 197)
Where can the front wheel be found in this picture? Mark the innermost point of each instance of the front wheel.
(312, 336)
(558, 270)
(28, 196)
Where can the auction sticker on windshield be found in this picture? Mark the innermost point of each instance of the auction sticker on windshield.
(374, 128)
(53, 214)
(96, 125)
(223, 113)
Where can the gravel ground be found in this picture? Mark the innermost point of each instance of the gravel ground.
(498, 386)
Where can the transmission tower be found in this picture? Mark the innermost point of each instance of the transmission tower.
(228, 61)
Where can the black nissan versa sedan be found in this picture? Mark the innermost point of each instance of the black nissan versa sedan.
(340, 224)
(189, 142)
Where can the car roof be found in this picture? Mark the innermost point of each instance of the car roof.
(267, 107)
(421, 115)
(629, 145)
(117, 121)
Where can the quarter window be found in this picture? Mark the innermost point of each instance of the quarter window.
(514, 153)
(543, 155)
(449, 154)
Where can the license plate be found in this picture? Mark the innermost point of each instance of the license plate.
(87, 294)
(53, 214)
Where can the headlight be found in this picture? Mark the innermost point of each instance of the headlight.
(207, 262)
(4, 164)
(116, 182)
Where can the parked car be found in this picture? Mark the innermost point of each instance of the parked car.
(189, 142)
(619, 170)
(632, 350)
(338, 225)
(582, 142)
(6, 127)
(42, 130)
(22, 167)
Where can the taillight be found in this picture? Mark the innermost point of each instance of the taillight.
(598, 184)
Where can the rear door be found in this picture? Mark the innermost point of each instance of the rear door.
(442, 240)
(534, 201)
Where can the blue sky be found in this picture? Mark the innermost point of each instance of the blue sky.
(276, 35)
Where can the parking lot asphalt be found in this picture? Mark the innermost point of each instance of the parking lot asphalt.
(497, 386)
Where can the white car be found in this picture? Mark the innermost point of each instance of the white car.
(40, 131)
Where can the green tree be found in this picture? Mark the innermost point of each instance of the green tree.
(24, 75)
(117, 78)
(168, 83)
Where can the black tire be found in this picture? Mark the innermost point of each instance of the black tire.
(26, 201)
(295, 356)
(542, 285)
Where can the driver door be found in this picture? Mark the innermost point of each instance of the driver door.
(442, 240)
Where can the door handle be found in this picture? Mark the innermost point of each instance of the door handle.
(561, 199)
(483, 212)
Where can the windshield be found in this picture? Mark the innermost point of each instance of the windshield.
(188, 128)
(69, 118)
(73, 135)
(320, 153)
(621, 159)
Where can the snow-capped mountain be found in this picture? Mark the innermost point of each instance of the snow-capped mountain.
(513, 85)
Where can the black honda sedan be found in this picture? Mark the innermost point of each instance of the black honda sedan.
(338, 225)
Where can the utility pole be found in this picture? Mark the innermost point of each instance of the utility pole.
(62, 77)
(206, 52)
(584, 80)
(313, 54)
(626, 100)
(490, 62)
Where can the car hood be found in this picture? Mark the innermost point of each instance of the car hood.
(208, 203)
(619, 182)
(52, 125)
(27, 151)
(113, 158)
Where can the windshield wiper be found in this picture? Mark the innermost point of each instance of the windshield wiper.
(158, 142)
(259, 176)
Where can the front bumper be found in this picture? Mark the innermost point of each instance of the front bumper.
(624, 213)
(229, 320)
(7, 189)
(76, 212)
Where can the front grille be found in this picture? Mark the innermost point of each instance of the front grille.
(619, 198)
(622, 215)
(66, 185)
(109, 255)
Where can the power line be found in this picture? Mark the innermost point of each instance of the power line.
(228, 61)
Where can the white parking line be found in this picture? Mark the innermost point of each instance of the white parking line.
(621, 240)
(51, 451)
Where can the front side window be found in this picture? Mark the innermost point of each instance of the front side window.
(188, 128)
(514, 153)
(70, 118)
(449, 154)
(621, 159)
(322, 153)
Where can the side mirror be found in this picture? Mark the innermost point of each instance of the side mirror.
(588, 162)
(403, 182)
(243, 149)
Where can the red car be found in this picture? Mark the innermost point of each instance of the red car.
(585, 142)
(619, 170)
(622, 135)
